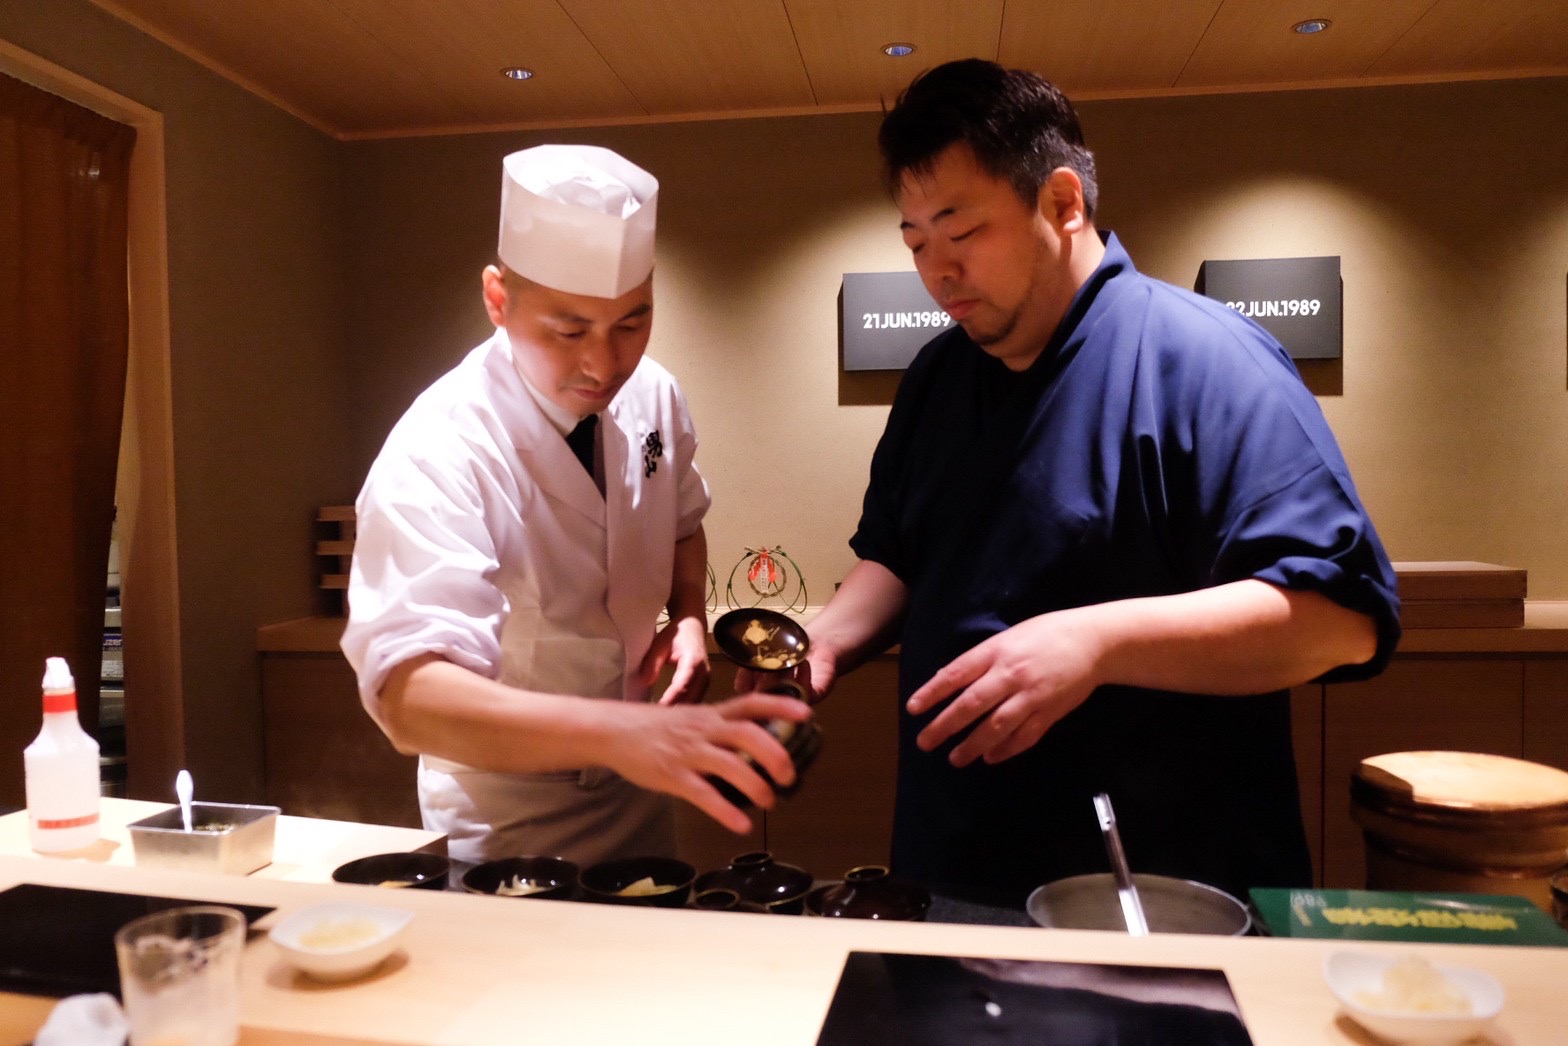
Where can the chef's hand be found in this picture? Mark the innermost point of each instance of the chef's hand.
(1015, 686)
(673, 749)
(684, 643)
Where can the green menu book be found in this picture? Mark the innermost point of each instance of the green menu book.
(1389, 915)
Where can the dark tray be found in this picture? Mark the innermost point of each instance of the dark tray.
(59, 941)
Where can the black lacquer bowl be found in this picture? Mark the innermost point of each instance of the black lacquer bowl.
(662, 882)
(870, 892)
(422, 870)
(759, 879)
(761, 639)
(545, 878)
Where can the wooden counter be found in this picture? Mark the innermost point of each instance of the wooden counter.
(476, 969)
(305, 849)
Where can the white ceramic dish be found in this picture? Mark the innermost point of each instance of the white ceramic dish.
(1351, 973)
(366, 936)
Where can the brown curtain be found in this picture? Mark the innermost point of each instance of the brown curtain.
(63, 342)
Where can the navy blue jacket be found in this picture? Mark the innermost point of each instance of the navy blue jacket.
(1160, 444)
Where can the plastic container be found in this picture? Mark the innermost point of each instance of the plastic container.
(61, 767)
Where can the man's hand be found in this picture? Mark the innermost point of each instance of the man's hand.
(816, 675)
(684, 643)
(1240, 638)
(1015, 686)
(672, 749)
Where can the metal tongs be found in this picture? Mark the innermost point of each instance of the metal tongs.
(1126, 889)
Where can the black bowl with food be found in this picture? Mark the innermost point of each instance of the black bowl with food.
(424, 871)
(760, 639)
(662, 882)
(547, 878)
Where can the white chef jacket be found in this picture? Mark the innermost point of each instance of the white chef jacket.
(480, 537)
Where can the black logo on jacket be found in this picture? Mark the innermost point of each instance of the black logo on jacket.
(652, 451)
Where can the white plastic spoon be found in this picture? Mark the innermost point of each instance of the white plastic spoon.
(183, 789)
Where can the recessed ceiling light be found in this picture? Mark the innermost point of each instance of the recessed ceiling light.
(517, 72)
(1310, 26)
(898, 50)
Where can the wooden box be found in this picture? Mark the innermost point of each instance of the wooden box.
(1460, 594)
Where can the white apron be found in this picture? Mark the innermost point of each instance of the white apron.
(584, 577)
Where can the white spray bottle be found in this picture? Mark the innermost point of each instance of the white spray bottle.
(62, 771)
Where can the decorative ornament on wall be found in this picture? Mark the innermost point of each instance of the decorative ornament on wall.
(766, 575)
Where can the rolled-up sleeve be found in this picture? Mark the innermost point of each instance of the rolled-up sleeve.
(422, 576)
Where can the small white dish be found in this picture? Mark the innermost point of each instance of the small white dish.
(1350, 974)
(338, 941)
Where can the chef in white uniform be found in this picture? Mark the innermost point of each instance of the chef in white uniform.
(505, 591)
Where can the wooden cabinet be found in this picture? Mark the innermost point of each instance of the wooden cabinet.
(323, 757)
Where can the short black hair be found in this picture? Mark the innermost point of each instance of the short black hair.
(1019, 124)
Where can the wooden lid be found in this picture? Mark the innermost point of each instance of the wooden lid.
(1463, 781)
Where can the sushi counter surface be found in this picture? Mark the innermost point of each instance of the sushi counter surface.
(481, 969)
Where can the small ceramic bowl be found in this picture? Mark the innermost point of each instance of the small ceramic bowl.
(337, 941)
(546, 878)
(423, 870)
(662, 882)
(1350, 975)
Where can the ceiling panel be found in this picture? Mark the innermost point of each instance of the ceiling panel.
(314, 76)
(1105, 46)
(456, 49)
(1251, 42)
(694, 56)
(375, 68)
(1461, 36)
(842, 42)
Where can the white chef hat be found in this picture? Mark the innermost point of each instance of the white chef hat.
(577, 218)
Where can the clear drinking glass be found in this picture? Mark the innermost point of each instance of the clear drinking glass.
(180, 976)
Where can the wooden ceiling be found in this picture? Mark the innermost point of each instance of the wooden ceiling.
(383, 68)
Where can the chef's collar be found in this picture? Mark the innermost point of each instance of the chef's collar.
(562, 419)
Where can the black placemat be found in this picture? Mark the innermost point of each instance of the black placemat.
(936, 1000)
(58, 940)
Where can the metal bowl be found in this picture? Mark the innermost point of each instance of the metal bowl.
(230, 838)
(1090, 902)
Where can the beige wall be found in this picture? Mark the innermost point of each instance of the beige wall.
(1447, 204)
(315, 286)
(256, 296)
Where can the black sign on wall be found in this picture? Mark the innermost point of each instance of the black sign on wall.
(884, 318)
(1298, 300)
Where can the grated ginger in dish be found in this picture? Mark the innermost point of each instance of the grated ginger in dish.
(1412, 985)
(644, 887)
(339, 933)
(519, 887)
